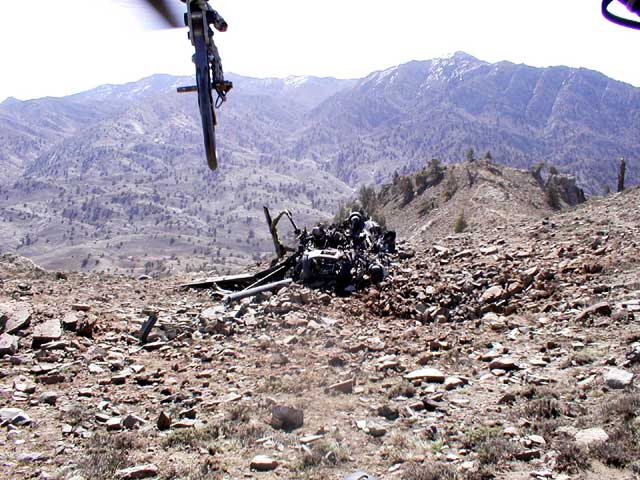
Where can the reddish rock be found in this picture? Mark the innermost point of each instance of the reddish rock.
(49, 331)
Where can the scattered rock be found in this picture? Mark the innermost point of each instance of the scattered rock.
(135, 473)
(262, 463)
(14, 416)
(86, 326)
(163, 422)
(8, 344)
(618, 379)
(451, 383)
(48, 397)
(602, 308)
(591, 436)
(15, 317)
(430, 375)
(506, 364)
(376, 430)
(492, 294)
(360, 475)
(389, 412)
(286, 418)
(49, 331)
(343, 387)
(114, 424)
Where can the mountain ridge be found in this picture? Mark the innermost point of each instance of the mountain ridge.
(108, 166)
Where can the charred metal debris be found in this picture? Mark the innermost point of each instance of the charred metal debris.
(343, 257)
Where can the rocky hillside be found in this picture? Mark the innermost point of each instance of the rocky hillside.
(508, 352)
(113, 179)
(471, 196)
(129, 191)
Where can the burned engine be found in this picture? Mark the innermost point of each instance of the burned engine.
(343, 257)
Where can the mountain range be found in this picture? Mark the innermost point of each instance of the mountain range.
(114, 178)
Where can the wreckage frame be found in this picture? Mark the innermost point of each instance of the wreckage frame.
(343, 257)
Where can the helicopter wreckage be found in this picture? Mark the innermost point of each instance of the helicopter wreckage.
(343, 257)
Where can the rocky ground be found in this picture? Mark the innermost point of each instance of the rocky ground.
(509, 354)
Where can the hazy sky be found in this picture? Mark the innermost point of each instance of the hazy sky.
(58, 47)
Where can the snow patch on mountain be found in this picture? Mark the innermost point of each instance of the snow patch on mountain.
(295, 81)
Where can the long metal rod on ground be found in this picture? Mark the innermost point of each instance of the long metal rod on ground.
(283, 268)
(254, 291)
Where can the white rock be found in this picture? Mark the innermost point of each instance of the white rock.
(14, 416)
(427, 374)
(591, 435)
(618, 379)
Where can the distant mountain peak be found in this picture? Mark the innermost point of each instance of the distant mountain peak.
(457, 55)
(10, 101)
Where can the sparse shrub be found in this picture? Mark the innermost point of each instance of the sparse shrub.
(406, 190)
(489, 444)
(422, 182)
(76, 414)
(461, 223)
(208, 470)
(477, 436)
(545, 407)
(430, 471)
(572, 458)
(581, 358)
(403, 389)
(494, 451)
(435, 170)
(626, 407)
(239, 412)
(470, 155)
(192, 437)
(536, 171)
(483, 473)
(437, 446)
(552, 195)
(323, 452)
(621, 449)
(450, 187)
(427, 206)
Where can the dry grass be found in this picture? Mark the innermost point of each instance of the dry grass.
(326, 452)
(106, 453)
(192, 438)
(430, 471)
(622, 449)
(283, 384)
(401, 446)
(207, 470)
(238, 425)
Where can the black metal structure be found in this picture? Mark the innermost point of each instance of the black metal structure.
(199, 33)
(632, 5)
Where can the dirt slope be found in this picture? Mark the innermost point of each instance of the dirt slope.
(529, 332)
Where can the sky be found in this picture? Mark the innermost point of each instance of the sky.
(67, 46)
